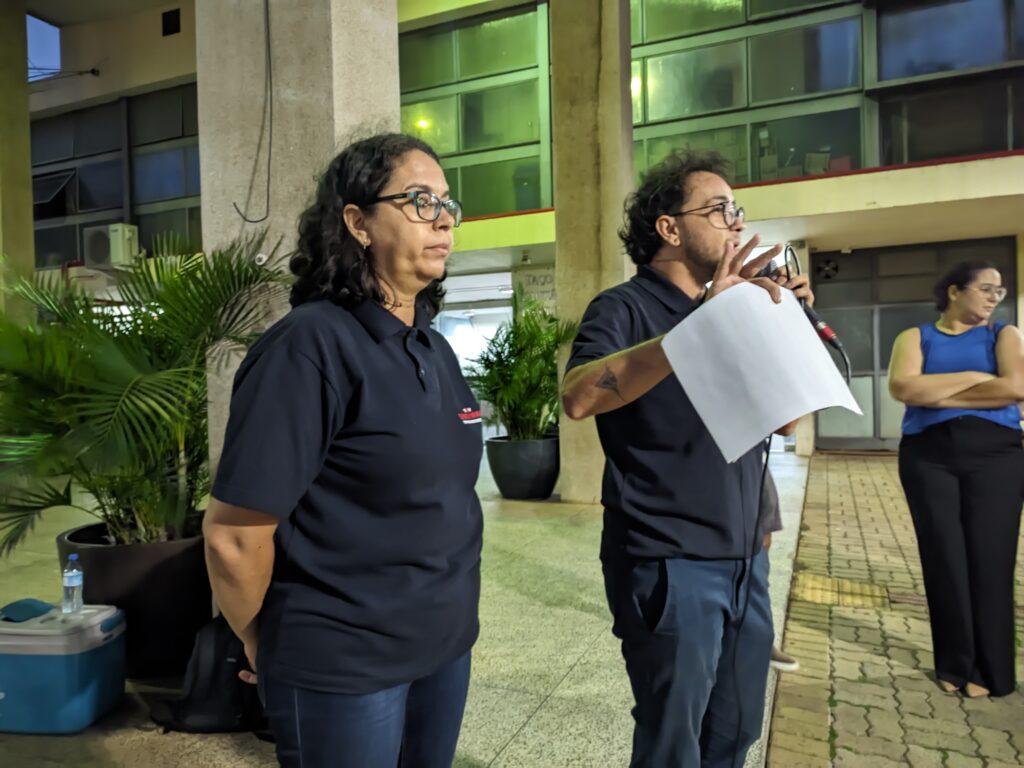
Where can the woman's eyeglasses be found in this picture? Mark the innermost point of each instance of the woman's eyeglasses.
(996, 291)
(428, 205)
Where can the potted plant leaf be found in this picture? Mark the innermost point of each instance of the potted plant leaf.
(103, 407)
(517, 373)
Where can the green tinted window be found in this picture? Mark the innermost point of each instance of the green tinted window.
(499, 45)
(511, 185)
(674, 18)
(636, 89)
(451, 175)
(817, 59)
(639, 161)
(636, 32)
(696, 82)
(807, 146)
(425, 59)
(762, 7)
(433, 121)
(500, 117)
(945, 122)
(163, 224)
(730, 142)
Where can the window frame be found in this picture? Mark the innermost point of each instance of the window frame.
(454, 161)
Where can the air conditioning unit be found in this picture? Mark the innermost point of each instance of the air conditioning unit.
(110, 246)
(89, 281)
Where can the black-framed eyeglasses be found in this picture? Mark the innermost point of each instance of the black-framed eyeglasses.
(729, 213)
(428, 205)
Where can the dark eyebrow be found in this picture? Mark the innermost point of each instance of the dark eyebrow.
(420, 187)
(722, 198)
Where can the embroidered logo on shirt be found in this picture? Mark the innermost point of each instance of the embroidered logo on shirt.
(469, 416)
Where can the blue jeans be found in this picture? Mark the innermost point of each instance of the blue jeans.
(415, 725)
(697, 665)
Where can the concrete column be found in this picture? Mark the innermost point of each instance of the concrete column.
(17, 243)
(335, 77)
(592, 131)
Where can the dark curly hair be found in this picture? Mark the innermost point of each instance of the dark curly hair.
(961, 276)
(329, 262)
(662, 190)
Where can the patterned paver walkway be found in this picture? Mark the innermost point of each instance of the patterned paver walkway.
(857, 621)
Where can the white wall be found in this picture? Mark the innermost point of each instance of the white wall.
(130, 53)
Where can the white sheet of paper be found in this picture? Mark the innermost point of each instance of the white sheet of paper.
(750, 366)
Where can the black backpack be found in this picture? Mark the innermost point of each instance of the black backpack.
(213, 698)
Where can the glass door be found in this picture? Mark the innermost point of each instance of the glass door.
(869, 333)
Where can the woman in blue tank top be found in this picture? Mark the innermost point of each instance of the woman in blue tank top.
(961, 464)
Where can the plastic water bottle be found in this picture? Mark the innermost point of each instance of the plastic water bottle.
(73, 581)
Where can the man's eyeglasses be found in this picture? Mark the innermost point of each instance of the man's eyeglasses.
(428, 205)
(996, 291)
(727, 212)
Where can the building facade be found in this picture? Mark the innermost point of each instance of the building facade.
(884, 139)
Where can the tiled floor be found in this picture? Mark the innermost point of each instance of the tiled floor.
(864, 694)
(549, 688)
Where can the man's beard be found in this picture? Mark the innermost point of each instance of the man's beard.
(703, 263)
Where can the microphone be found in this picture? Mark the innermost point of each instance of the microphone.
(824, 331)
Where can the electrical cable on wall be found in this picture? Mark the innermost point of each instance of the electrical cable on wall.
(266, 125)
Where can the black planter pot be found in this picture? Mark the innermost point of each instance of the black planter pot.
(524, 469)
(162, 587)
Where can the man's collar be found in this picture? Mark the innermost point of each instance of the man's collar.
(381, 324)
(663, 289)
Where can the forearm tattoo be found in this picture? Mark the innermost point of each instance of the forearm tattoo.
(609, 381)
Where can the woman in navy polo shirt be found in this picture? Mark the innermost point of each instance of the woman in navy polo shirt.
(343, 538)
(962, 469)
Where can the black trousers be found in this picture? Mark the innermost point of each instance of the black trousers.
(964, 482)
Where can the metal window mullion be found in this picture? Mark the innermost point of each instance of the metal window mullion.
(790, 12)
(950, 78)
(77, 218)
(806, 97)
(754, 115)
(1009, 114)
(748, 89)
(544, 109)
(126, 163)
(904, 131)
(75, 164)
(498, 155)
(470, 86)
(732, 34)
(870, 134)
(749, 136)
(456, 69)
(162, 146)
(1009, 16)
(162, 206)
(869, 47)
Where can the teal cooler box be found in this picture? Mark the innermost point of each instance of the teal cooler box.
(60, 672)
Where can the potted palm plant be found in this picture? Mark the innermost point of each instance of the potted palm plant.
(103, 407)
(517, 373)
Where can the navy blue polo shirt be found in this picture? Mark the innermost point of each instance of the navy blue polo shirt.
(667, 491)
(360, 435)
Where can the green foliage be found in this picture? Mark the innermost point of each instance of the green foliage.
(110, 398)
(517, 373)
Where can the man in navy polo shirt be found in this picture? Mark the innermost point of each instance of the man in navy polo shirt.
(685, 575)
